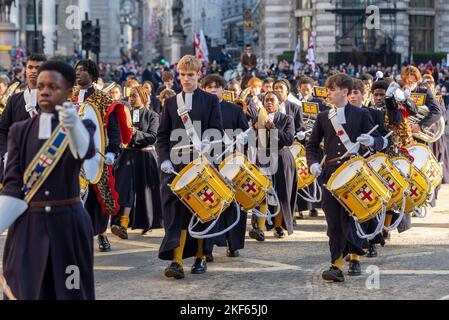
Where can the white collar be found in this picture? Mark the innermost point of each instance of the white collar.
(282, 108)
(81, 95)
(271, 116)
(188, 101)
(341, 115)
(45, 129)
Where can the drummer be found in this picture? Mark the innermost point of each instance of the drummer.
(234, 120)
(340, 129)
(284, 176)
(205, 109)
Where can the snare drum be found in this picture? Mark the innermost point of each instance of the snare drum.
(392, 177)
(425, 161)
(203, 190)
(250, 184)
(359, 189)
(420, 186)
(305, 178)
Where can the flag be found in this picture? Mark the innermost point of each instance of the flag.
(203, 46)
(198, 52)
(297, 57)
(310, 58)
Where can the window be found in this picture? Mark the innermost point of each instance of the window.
(304, 30)
(422, 31)
(30, 12)
(304, 4)
(353, 28)
(422, 3)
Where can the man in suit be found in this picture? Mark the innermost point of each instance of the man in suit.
(340, 129)
(20, 106)
(204, 109)
(249, 64)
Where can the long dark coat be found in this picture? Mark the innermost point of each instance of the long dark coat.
(176, 216)
(137, 176)
(41, 245)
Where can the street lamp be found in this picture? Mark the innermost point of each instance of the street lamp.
(36, 39)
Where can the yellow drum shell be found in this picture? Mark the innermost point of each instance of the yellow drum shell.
(359, 189)
(427, 163)
(305, 178)
(419, 185)
(203, 190)
(393, 178)
(249, 183)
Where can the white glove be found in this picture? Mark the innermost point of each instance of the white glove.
(205, 146)
(77, 132)
(366, 140)
(300, 135)
(392, 88)
(316, 169)
(11, 208)
(167, 167)
(109, 158)
(399, 95)
(242, 138)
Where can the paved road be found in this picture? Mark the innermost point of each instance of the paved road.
(413, 265)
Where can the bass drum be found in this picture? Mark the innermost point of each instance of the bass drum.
(93, 168)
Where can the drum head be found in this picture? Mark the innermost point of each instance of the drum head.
(93, 167)
(403, 165)
(231, 166)
(346, 174)
(188, 176)
(421, 154)
(377, 161)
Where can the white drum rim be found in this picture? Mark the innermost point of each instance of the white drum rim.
(347, 173)
(188, 176)
(377, 161)
(420, 154)
(400, 163)
(231, 166)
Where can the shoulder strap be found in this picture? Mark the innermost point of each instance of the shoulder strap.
(339, 130)
(187, 121)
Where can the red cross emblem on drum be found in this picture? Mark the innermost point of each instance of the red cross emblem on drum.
(249, 186)
(303, 170)
(431, 173)
(414, 192)
(366, 195)
(206, 195)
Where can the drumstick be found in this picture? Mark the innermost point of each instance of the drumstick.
(231, 145)
(357, 144)
(6, 289)
(322, 161)
(386, 137)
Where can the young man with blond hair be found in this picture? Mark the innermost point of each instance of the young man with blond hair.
(204, 109)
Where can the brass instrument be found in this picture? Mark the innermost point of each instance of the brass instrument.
(9, 92)
(432, 133)
(241, 101)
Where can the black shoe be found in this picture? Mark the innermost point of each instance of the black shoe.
(174, 270)
(232, 253)
(103, 244)
(257, 234)
(354, 268)
(300, 215)
(333, 274)
(279, 233)
(199, 266)
(209, 258)
(372, 251)
(313, 213)
(120, 232)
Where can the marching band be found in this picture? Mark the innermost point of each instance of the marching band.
(202, 160)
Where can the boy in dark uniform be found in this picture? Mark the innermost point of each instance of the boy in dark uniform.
(52, 239)
(233, 120)
(352, 124)
(201, 107)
